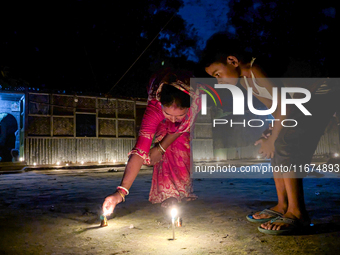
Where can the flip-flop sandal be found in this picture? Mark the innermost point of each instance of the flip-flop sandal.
(294, 226)
(271, 213)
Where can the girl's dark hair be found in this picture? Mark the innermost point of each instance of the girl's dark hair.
(171, 95)
(221, 45)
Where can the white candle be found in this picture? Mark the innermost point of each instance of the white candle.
(173, 215)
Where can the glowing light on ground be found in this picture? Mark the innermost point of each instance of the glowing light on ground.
(173, 215)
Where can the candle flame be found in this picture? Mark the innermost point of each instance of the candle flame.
(173, 212)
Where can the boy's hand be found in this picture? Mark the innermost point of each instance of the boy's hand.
(267, 132)
(267, 148)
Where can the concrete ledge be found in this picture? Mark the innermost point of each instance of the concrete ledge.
(12, 168)
(9, 167)
(20, 167)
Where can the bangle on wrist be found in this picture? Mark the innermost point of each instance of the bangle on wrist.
(124, 190)
(121, 194)
(159, 149)
(160, 146)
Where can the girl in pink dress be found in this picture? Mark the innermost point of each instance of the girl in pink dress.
(167, 121)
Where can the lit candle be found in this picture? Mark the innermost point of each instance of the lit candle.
(179, 222)
(173, 215)
(103, 222)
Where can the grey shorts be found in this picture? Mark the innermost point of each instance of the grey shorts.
(295, 146)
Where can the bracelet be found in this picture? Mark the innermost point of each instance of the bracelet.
(160, 146)
(125, 189)
(121, 194)
(159, 149)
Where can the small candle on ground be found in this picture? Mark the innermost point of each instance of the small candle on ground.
(173, 215)
(103, 222)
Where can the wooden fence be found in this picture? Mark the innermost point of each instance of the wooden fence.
(76, 150)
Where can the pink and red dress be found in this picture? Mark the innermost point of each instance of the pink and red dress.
(171, 176)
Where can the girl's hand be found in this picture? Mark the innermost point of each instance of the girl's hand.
(110, 203)
(155, 156)
(267, 148)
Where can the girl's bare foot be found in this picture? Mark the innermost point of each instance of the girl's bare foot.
(188, 199)
(169, 202)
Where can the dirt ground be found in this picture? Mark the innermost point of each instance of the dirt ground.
(57, 212)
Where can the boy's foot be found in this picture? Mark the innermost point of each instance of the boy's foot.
(264, 216)
(169, 202)
(269, 213)
(287, 222)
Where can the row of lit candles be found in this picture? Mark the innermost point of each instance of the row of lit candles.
(82, 162)
(114, 161)
(259, 157)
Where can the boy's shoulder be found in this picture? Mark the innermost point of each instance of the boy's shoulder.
(273, 65)
(281, 65)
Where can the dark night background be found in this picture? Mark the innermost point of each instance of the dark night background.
(86, 46)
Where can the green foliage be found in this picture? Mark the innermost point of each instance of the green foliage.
(88, 45)
(296, 28)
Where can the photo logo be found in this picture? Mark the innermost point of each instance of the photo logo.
(204, 98)
(238, 103)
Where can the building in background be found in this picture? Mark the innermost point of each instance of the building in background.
(58, 128)
(49, 128)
